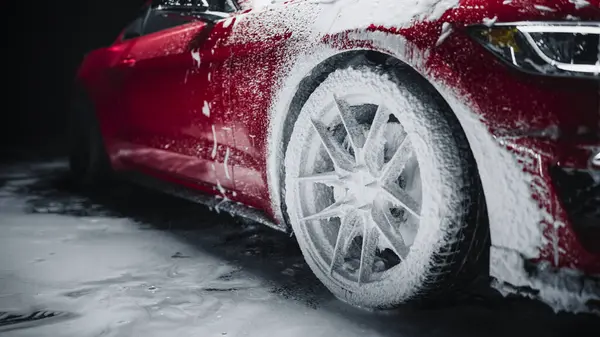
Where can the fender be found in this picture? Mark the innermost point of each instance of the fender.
(515, 235)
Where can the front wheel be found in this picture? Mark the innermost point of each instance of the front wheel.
(381, 189)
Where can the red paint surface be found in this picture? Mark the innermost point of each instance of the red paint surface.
(149, 96)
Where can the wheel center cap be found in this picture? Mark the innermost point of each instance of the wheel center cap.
(363, 186)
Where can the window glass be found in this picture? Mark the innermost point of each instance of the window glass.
(161, 20)
(230, 6)
(226, 6)
(174, 3)
(134, 29)
(167, 14)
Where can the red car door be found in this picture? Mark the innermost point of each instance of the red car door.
(175, 97)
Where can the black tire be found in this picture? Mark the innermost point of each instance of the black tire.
(88, 160)
(461, 255)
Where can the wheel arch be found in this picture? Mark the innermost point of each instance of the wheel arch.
(308, 83)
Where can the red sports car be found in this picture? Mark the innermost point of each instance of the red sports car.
(410, 145)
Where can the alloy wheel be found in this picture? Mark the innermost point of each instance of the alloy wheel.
(360, 190)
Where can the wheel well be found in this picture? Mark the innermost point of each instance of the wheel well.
(347, 59)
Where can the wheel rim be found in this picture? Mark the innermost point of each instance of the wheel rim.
(360, 190)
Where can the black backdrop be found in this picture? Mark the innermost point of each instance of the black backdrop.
(43, 43)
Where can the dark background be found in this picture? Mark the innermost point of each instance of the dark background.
(43, 44)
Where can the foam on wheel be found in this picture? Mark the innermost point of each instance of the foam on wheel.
(382, 190)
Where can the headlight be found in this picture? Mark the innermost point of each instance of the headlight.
(550, 48)
(596, 160)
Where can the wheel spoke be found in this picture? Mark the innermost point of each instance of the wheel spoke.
(340, 157)
(375, 140)
(327, 178)
(334, 210)
(367, 254)
(399, 197)
(341, 242)
(386, 228)
(376, 131)
(354, 130)
(392, 170)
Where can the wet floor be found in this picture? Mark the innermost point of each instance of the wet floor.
(128, 261)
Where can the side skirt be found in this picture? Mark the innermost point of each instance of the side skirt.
(217, 203)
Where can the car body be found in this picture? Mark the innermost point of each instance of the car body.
(202, 101)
